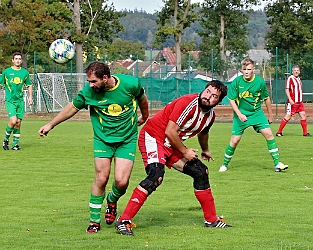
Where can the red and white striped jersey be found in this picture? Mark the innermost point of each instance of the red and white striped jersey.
(294, 85)
(186, 113)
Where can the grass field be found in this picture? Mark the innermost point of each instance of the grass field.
(45, 193)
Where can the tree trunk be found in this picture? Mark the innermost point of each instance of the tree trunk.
(177, 38)
(178, 52)
(78, 45)
(79, 58)
(222, 39)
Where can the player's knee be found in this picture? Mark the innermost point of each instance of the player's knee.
(155, 172)
(199, 172)
(13, 121)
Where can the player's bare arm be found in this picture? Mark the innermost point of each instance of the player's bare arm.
(68, 111)
(144, 109)
(172, 134)
(30, 95)
(234, 106)
(268, 105)
(289, 97)
(203, 140)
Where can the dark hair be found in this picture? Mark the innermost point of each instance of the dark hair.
(219, 86)
(99, 69)
(17, 54)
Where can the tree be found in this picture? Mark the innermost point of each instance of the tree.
(257, 27)
(96, 25)
(175, 16)
(139, 26)
(224, 29)
(31, 25)
(119, 50)
(291, 25)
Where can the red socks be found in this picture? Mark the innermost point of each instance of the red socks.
(304, 126)
(302, 122)
(206, 200)
(134, 204)
(282, 125)
(138, 198)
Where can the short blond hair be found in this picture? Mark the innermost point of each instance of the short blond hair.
(246, 62)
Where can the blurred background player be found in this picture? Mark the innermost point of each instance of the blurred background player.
(113, 101)
(161, 143)
(13, 79)
(294, 102)
(245, 95)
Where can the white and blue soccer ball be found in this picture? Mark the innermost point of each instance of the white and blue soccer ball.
(61, 50)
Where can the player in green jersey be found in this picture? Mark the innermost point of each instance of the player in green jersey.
(245, 95)
(113, 101)
(13, 79)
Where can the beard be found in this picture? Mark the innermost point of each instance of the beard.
(98, 90)
(205, 104)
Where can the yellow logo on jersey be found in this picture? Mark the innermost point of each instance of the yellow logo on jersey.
(245, 94)
(17, 80)
(115, 110)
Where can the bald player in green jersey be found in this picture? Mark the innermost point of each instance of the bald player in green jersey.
(246, 94)
(13, 79)
(113, 101)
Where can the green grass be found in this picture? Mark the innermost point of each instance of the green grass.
(44, 195)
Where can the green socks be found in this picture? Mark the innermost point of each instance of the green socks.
(229, 152)
(115, 194)
(8, 132)
(16, 136)
(96, 202)
(95, 205)
(273, 149)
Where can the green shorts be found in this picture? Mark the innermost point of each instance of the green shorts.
(258, 121)
(15, 109)
(125, 150)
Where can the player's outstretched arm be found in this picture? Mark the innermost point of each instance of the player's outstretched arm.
(68, 111)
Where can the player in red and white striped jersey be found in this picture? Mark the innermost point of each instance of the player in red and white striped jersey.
(161, 143)
(294, 102)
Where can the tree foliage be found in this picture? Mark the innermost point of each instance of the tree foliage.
(224, 29)
(139, 27)
(96, 25)
(257, 29)
(31, 25)
(291, 26)
(119, 50)
(175, 16)
(99, 23)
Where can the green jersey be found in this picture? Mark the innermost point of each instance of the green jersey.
(248, 95)
(14, 80)
(113, 113)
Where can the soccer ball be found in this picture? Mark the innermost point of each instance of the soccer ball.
(61, 50)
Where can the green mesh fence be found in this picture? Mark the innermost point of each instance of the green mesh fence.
(277, 90)
(53, 90)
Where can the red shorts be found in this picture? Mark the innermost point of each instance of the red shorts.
(153, 151)
(295, 108)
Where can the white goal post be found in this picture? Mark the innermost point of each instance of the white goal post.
(53, 91)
